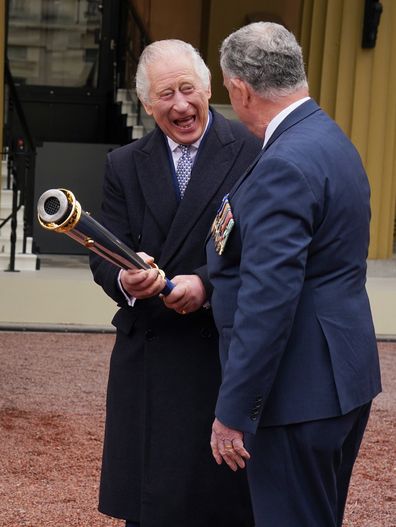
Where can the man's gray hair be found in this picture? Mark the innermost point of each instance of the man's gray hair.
(163, 49)
(266, 56)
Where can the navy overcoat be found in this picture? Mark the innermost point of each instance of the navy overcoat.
(165, 371)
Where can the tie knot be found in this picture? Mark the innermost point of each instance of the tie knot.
(185, 149)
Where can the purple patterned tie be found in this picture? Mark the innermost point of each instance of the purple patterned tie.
(183, 170)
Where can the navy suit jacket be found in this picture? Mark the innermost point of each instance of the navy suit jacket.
(296, 335)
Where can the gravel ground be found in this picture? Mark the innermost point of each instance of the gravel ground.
(52, 396)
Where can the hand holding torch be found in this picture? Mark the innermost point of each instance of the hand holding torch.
(59, 211)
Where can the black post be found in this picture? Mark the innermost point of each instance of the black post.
(28, 212)
(13, 236)
(372, 15)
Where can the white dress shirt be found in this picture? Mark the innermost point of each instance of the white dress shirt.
(176, 155)
(281, 116)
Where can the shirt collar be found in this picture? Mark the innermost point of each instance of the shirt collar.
(281, 116)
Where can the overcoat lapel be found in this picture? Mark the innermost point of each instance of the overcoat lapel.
(155, 177)
(219, 150)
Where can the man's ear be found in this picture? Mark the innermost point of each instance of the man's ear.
(242, 89)
(147, 106)
(209, 89)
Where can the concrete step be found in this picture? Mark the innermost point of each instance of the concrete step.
(4, 168)
(3, 174)
(137, 131)
(128, 107)
(5, 212)
(4, 183)
(129, 101)
(124, 95)
(23, 262)
(5, 244)
(5, 232)
(131, 119)
(6, 197)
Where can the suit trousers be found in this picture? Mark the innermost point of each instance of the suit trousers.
(131, 524)
(299, 474)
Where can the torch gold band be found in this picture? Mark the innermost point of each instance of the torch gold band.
(72, 219)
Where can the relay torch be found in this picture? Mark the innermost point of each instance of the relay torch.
(59, 211)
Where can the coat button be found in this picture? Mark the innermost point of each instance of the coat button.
(150, 335)
(206, 333)
(254, 414)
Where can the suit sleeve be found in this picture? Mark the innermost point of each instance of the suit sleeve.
(275, 209)
(115, 218)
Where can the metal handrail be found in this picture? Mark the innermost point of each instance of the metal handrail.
(9, 79)
(9, 217)
(21, 151)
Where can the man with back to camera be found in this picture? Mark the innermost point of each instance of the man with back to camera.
(287, 259)
(165, 372)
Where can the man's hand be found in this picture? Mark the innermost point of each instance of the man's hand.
(227, 444)
(188, 295)
(142, 283)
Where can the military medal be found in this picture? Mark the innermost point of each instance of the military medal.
(222, 225)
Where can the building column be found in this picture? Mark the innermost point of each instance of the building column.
(357, 87)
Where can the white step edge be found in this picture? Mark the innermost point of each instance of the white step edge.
(6, 197)
(23, 262)
(127, 107)
(5, 244)
(4, 168)
(137, 132)
(132, 119)
(6, 211)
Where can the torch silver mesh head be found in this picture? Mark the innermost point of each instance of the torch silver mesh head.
(52, 206)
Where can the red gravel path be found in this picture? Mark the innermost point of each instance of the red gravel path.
(52, 395)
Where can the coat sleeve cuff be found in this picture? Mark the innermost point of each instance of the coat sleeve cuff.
(202, 272)
(240, 415)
